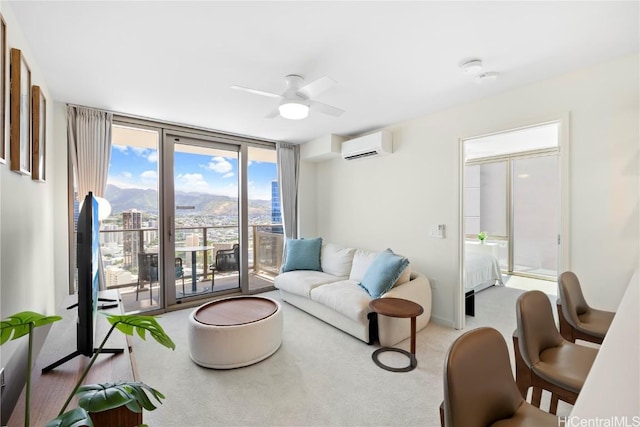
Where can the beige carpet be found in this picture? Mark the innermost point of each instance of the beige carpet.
(320, 376)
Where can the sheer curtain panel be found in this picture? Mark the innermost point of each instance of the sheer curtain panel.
(288, 171)
(89, 134)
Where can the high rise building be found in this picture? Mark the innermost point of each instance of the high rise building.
(131, 220)
(276, 216)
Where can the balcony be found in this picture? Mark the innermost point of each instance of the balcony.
(140, 289)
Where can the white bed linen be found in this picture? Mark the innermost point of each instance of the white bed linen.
(481, 271)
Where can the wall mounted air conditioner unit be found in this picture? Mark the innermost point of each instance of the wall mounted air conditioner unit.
(374, 144)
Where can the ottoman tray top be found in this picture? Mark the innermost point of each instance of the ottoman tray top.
(235, 311)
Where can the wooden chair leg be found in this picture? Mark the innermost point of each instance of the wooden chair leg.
(553, 407)
(536, 395)
(523, 374)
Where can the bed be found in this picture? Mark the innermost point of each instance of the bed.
(481, 271)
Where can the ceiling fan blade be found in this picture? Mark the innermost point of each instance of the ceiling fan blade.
(316, 87)
(273, 113)
(326, 109)
(257, 92)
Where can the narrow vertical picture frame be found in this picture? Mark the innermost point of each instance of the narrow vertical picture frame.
(20, 113)
(39, 111)
(3, 89)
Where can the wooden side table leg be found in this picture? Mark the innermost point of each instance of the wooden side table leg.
(413, 336)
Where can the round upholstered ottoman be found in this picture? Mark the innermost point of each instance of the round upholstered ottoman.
(234, 332)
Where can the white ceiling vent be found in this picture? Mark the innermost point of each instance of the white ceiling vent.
(374, 144)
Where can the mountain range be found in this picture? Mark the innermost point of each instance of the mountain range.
(123, 199)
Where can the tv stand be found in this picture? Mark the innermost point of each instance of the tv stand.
(49, 391)
(77, 353)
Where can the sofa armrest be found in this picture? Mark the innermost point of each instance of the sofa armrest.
(393, 330)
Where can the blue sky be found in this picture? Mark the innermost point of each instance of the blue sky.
(137, 167)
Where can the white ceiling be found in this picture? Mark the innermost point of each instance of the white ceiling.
(176, 60)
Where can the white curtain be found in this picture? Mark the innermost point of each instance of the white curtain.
(288, 171)
(89, 135)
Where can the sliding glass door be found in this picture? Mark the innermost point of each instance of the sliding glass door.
(535, 192)
(203, 238)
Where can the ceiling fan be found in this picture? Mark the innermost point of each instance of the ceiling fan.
(297, 100)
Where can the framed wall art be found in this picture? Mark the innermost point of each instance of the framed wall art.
(39, 111)
(20, 114)
(3, 105)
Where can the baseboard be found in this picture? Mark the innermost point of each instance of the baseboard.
(442, 321)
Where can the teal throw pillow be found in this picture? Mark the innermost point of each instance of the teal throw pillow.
(303, 254)
(383, 272)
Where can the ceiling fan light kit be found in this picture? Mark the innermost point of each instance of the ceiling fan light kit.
(297, 100)
(293, 109)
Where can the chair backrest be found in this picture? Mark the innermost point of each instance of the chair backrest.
(227, 260)
(537, 329)
(479, 388)
(571, 297)
(148, 266)
(178, 267)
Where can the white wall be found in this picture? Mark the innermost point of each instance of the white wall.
(33, 242)
(392, 201)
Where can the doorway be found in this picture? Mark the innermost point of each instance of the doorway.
(514, 190)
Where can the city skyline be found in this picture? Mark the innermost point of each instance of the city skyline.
(137, 167)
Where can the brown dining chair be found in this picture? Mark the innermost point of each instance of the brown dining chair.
(479, 389)
(554, 364)
(578, 320)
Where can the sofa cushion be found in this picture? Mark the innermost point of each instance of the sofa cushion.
(302, 254)
(361, 261)
(336, 259)
(301, 282)
(383, 273)
(346, 297)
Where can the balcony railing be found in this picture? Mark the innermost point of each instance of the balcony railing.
(120, 249)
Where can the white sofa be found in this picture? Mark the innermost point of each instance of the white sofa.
(335, 296)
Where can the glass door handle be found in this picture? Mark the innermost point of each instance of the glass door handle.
(171, 228)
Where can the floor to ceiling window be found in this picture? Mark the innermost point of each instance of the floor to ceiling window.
(193, 215)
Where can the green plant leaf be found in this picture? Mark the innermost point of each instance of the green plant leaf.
(126, 324)
(17, 325)
(102, 397)
(77, 417)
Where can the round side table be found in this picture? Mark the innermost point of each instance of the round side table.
(402, 308)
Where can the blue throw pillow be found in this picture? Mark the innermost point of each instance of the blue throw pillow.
(303, 254)
(383, 272)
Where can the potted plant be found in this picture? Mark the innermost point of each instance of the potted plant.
(482, 236)
(94, 397)
(17, 326)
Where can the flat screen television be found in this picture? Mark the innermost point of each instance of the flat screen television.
(87, 261)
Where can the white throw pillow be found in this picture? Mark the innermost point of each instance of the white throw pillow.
(361, 261)
(336, 260)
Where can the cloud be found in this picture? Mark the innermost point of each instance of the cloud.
(120, 148)
(190, 182)
(139, 151)
(228, 175)
(127, 174)
(150, 174)
(219, 165)
(153, 156)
